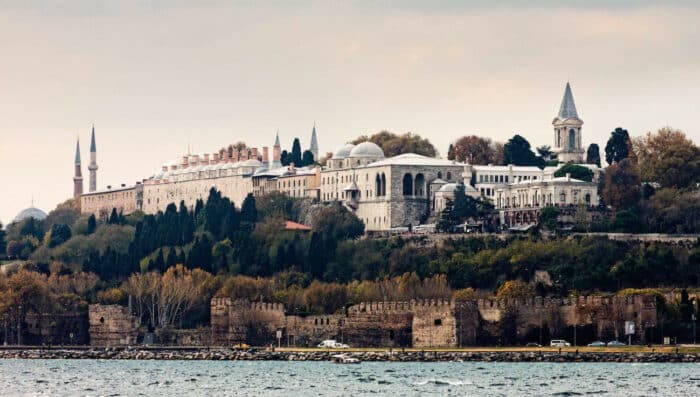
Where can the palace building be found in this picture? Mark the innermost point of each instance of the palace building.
(385, 193)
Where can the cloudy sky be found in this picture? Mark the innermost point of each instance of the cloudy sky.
(155, 76)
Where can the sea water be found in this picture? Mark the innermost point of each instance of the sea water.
(277, 378)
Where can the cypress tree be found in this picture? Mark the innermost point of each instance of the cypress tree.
(249, 212)
(296, 152)
(91, 224)
(307, 158)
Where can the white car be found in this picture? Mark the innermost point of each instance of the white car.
(559, 343)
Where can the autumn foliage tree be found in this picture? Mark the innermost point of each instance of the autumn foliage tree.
(668, 157)
(473, 150)
(394, 144)
(621, 188)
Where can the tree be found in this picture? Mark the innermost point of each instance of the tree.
(473, 150)
(285, 158)
(91, 224)
(3, 242)
(517, 152)
(575, 171)
(296, 153)
(60, 233)
(593, 154)
(618, 146)
(621, 185)
(549, 218)
(393, 144)
(249, 212)
(668, 157)
(545, 151)
(307, 158)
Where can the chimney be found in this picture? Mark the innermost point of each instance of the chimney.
(235, 156)
(291, 167)
(226, 158)
(165, 168)
(215, 158)
(185, 161)
(255, 153)
(206, 159)
(266, 157)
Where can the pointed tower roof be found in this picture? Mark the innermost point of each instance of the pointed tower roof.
(93, 147)
(77, 152)
(567, 108)
(277, 139)
(314, 140)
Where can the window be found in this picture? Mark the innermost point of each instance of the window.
(437, 322)
(449, 176)
(407, 185)
(572, 139)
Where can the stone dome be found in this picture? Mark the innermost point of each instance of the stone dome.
(31, 212)
(367, 149)
(344, 151)
(448, 187)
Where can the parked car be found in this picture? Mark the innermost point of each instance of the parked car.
(559, 343)
(330, 343)
(533, 344)
(616, 343)
(597, 343)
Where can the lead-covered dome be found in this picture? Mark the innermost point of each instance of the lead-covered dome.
(367, 149)
(31, 212)
(344, 151)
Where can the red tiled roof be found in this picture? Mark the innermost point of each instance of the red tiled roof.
(289, 225)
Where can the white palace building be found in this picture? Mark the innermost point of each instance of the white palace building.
(385, 193)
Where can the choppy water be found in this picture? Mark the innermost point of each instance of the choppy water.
(217, 378)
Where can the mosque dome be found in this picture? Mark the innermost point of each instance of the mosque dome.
(344, 151)
(367, 149)
(448, 187)
(31, 212)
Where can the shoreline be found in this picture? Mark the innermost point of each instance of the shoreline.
(253, 354)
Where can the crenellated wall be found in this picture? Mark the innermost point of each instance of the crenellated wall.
(427, 323)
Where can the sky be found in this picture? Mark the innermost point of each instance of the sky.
(155, 77)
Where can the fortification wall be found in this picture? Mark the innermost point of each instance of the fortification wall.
(434, 323)
(112, 325)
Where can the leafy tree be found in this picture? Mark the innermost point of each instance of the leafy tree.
(3, 242)
(593, 154)
(618, 146)
(307, 158)
(549, 218)
(285, 158)
(472, 149)
(575, 171)
(668, 157)
(91, 224)
(545, 152)
(517, 152)
(249, 212)
(60, 233)
(621, 185)
(393, 144)
(296, 153)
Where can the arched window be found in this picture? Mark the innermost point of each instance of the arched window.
(449, 176)
(588, 198)
(558, 138)
(419, 185)
(378, 185)
(383, 184)
(408, 185)
(562, 197)
(572, 139)
(439, 175)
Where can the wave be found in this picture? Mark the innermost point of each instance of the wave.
(443, 382)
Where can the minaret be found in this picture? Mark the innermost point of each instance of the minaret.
(313, 146)
(276, 153)
(93, 162)
(567, 130)
(78, 177)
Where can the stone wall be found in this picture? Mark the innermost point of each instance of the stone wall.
(431, 323)
(57, 328)
(112, 325)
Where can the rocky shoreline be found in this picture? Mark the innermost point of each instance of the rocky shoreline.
(395, 356)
